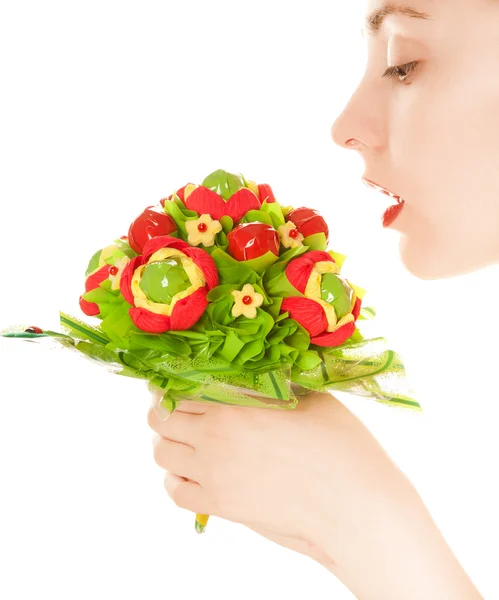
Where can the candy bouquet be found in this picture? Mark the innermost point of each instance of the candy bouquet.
(221, 294)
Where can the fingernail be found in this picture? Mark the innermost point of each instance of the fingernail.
(159, 407)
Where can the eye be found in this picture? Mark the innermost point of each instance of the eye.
(401, 72)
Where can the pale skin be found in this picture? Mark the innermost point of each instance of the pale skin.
(314, 479)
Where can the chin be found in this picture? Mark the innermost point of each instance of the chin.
(430, 257)
(415, 261)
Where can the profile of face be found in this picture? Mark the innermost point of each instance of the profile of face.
(425, 119)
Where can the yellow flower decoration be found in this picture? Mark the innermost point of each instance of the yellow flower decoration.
(290, 236)
(116, 268)
(202, 230)
(246, 302)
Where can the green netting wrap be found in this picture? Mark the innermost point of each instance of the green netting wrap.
(365, 368)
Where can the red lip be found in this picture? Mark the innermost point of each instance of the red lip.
(391, 214)
(382, 189)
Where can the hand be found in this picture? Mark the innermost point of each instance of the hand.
(305, 476)
(315, 480)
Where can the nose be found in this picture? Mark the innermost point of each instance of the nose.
(360, 124)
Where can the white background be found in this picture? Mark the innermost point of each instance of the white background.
(108, 107)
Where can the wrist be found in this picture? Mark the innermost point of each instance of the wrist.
(397, 551)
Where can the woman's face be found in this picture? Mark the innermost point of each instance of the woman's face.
(431, 135)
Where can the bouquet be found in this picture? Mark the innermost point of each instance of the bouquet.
(219, 293)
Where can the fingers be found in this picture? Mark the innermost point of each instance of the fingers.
(176, 458)
(184, 428)
(190, 406)
(177, 437)
(188, 494)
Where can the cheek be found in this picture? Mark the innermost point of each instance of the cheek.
(448, 150)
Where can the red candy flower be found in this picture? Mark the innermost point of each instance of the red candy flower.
(167, 285)
(110, 262)
(330, 307)
(151, 223)
(308, 222)
(252, 240)
(207, 202)
(179, 192)
(92, 282)
(265, 193)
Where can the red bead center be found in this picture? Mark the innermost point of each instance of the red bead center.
(247, 300)
(202, 227)
(293, 233)
(113, 270)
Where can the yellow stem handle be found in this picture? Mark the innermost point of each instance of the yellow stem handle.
(201, 521)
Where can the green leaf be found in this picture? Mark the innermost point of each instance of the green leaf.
(177, 211)
(276, 223)
(257, 216)
(107, 285)
(300, 339)
(280, 333)
(284, 260)
(275, 212)
(292, 253)
(367, 313)
(261, 290)
(97, 352)
(267, 322)
(338, 258)
(280, 287)
(221, 291)
(249, 350)
(220, 311)
(359, 292)
(94, 263)
(107, 300)
(117, 324)
(99, 294)
(317, 241)
(168, 403)
(81, 330)
(356, 336)
(114, 257)
(227, 223)
(125, 247)
(274, 308)
(231, 347)
(286, 209)
(232, 271)
(262, 263)
(164, 343)
(308, 360)
(221, 240)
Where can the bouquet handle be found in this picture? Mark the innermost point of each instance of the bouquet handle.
(201, 521)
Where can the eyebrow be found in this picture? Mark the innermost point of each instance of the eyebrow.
(374, 20)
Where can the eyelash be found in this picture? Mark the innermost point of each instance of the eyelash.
(395, 72)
